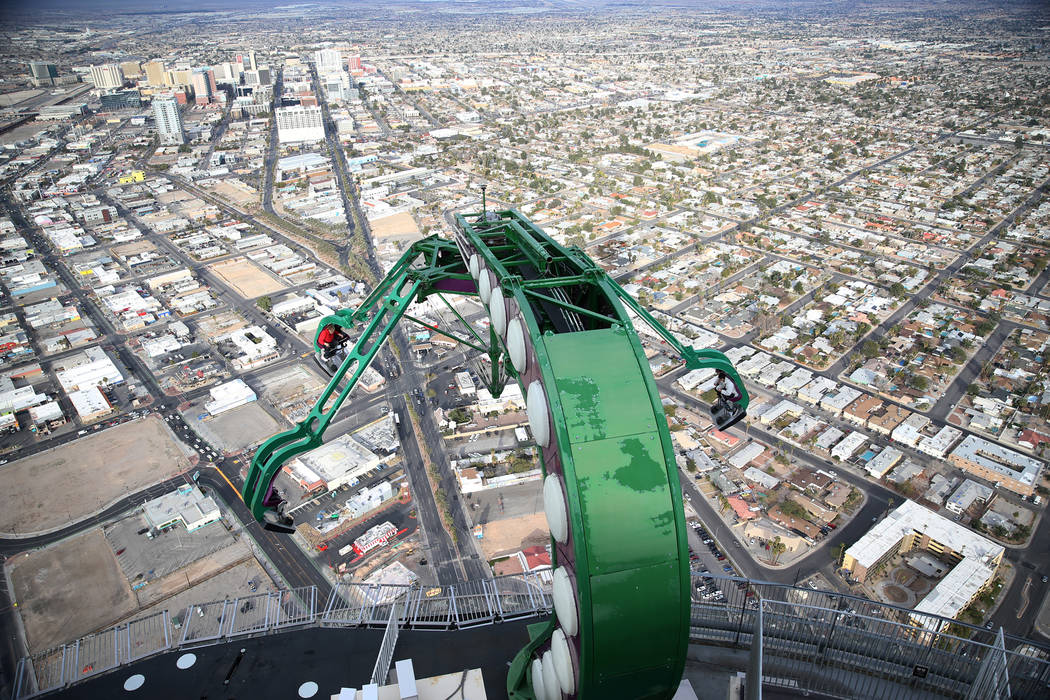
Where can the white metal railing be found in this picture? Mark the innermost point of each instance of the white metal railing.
(466, 604)
(386, 648)
(812, 641)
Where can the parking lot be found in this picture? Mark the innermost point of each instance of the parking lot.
(706, 556)
(144, 558)
(178, 425)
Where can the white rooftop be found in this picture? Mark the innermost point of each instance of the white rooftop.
(341, 458)
(966, 578)
(999, 459)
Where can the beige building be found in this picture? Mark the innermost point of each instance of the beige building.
(156, 74)
(1000, 465)
(973, 560)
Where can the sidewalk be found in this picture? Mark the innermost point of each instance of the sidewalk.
(1042, 618)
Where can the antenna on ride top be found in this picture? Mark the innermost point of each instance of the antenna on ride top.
(484, 216)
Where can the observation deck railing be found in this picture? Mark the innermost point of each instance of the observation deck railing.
(810, 640)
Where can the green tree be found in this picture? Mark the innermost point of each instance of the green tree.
(984, 328)
(265, 303)
(460, 415)
(793, 509)
(776, 548)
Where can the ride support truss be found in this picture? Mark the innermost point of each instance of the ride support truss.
(560, 327)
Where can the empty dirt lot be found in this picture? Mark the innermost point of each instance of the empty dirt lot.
(68, 483)
(401, 224)
(69, 590)
(508, 536)
(245, 278)
(233, 430)
(239, 193)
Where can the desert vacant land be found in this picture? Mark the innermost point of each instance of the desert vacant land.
(68, 483)
(246, 278)
(55, 604)
(401, 224)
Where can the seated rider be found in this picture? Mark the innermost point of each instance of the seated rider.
(273, 499)
(275, 514)
(728, 393)
(331, 339)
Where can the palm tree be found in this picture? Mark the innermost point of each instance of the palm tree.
(776, 548)
(723, 502)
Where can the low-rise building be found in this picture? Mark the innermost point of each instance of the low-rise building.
(909, 432)
(341, 461)
(886, 421)
(835, 403)
(861, 409)
(938, 445)
(815, 391)
(742, 457)
(186, 505)
(90, 404)
(974, 559)
(967, 494)
(91, 367)
(849, 446)
(1001, 465)
(229, 396)
(884, 461)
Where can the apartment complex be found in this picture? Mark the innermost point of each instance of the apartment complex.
(973, 559)
(1001, 465)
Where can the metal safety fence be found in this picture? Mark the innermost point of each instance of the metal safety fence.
(792, 637)
(465, 604)
(814, 641)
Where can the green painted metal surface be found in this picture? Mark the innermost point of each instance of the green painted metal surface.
(597, 377)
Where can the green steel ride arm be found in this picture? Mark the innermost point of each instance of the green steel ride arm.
(703, 358)
(611, 491)
(378, 315)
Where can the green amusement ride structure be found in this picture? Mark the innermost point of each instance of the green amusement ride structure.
(561, 328)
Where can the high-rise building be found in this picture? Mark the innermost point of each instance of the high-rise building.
(107, 77)
(328, 61)
(131, 69)
(354, 63)
(43, 73)
(204, 87)
(252, 63)
(182, 77)
(169, 121)
(156, 74)
(225, 73)
(298, 124)
(121, 99)
(257, 77)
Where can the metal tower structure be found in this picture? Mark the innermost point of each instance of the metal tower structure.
(563, 330)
